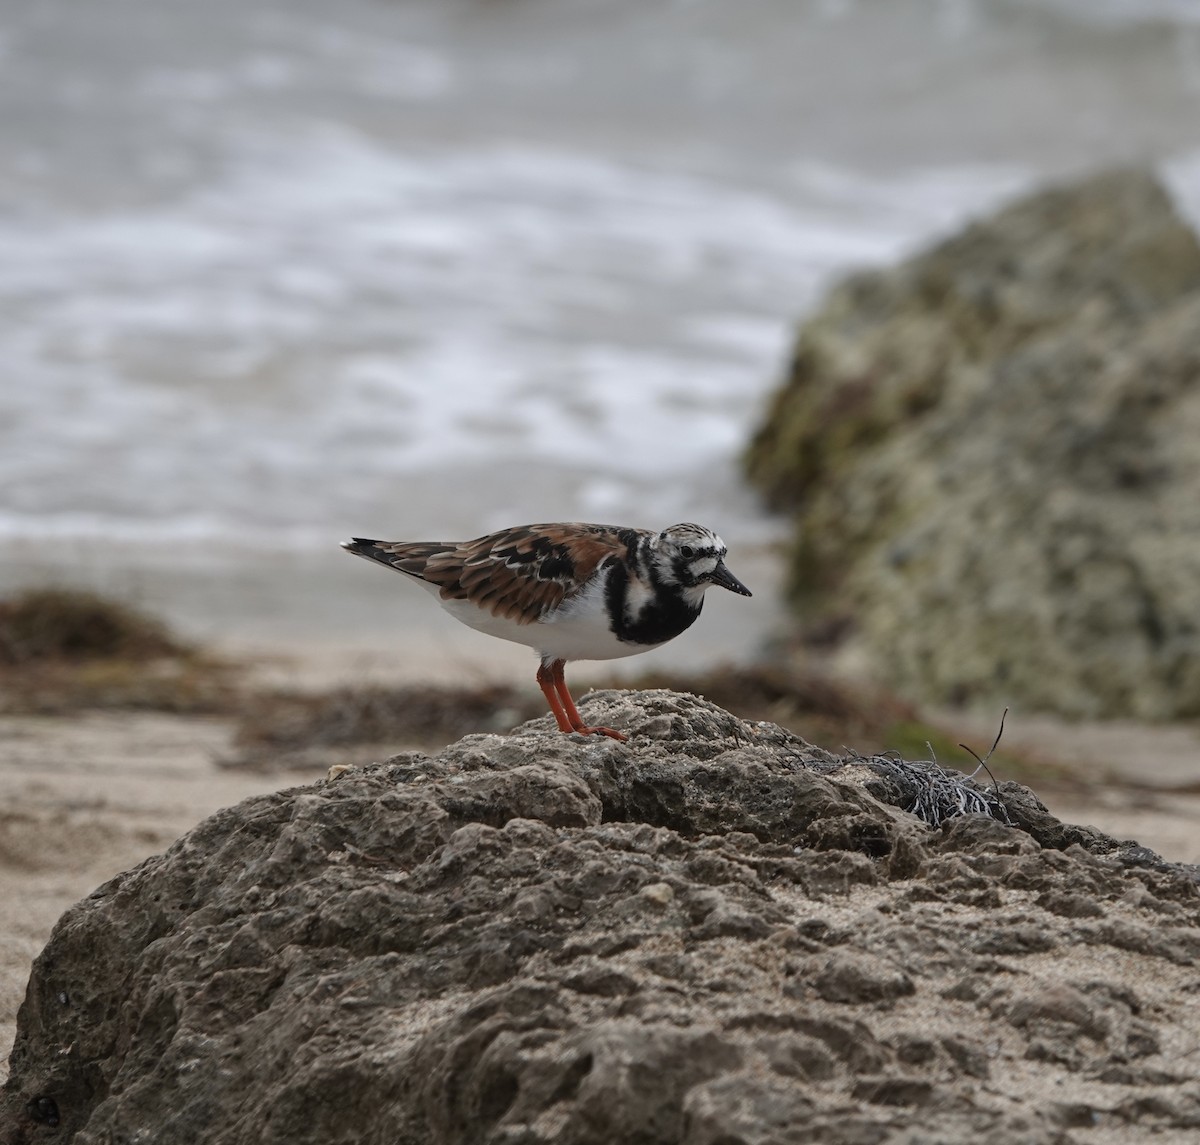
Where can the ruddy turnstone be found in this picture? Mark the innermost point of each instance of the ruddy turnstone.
(569, 591)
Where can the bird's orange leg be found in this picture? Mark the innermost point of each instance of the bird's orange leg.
(557, 669)
(546, 681)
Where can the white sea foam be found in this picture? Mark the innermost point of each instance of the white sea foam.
(329, 320)
(269, 274)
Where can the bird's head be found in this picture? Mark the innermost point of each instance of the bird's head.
(693, 557)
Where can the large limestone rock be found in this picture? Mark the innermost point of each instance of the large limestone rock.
(993, 455)
(715, 934)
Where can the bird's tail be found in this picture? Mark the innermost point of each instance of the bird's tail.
(372, 550)
(404, 556)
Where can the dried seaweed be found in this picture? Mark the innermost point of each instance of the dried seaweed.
(934, 793)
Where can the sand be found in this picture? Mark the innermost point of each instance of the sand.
(85, 797)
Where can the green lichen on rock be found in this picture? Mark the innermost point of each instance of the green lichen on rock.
(993, 456)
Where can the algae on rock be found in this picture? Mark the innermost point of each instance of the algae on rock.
(993, 456)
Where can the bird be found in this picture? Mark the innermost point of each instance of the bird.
(570, 591)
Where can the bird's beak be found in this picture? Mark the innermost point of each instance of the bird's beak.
(722, 576)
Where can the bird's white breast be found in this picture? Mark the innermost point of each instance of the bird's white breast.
(579, 629)
(582, 628)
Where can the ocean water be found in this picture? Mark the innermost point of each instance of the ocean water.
(272, 274)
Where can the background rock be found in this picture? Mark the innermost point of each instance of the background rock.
(541, 938)
(993, 455)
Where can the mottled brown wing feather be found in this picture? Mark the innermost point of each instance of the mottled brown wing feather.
(520, 573)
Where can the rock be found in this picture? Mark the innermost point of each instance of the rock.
(797, 1055)
(990, 452)
(547, 938)
(848, 977)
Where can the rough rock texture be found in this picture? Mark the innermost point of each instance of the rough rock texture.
(993, 453)
(714, 934)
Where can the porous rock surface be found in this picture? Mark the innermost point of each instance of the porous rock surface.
(714, 934)
(993, 455)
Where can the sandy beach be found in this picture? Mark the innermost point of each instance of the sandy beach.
(85, 797)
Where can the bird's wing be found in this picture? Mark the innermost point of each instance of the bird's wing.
(521, 573)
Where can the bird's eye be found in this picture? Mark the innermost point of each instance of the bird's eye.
(687, 552)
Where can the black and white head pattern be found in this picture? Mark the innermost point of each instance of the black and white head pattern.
(687, 555)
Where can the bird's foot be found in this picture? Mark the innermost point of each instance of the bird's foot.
(612, 733)
(554, 687)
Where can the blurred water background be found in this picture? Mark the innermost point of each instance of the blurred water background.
(275, 273)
